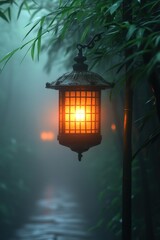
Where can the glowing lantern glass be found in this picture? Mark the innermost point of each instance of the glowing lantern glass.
(79, 107)
(79, 112)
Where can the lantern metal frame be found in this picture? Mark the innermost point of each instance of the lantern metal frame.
(80, 80)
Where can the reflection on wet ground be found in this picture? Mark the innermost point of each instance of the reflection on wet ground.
(57, 216)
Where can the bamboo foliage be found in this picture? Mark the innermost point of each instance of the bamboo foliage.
(63, 24)
(84, 18)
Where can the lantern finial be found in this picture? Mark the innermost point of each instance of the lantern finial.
(80, 66)
(80, 156)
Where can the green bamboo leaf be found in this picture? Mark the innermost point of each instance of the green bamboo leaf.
(9, 13)
(151, 22)
(35, 12)
(32, 28)
(114, 7)
(84, 34)
(14, 1)
(27, 43)
(27, 6)
(150, 5)
(52, 21)
(4, 2)
(26, 54)
(32, 50)
(33, 39)
(20, 9)
(39, 43)
(157, 41)
(134, 55)
(39, 35)
(158, 57)
(139, 36)
(140, 32)
(131, 31)
(8, 57)
(60, 3)
(3, 16)
(34, 2)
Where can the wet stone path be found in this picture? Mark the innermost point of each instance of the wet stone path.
(57, 216)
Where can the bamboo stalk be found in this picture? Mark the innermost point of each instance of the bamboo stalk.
(127, 160)
(127, 141)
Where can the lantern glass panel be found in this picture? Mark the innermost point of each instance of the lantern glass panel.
(79, 112)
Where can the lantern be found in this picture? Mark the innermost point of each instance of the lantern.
(79, 106)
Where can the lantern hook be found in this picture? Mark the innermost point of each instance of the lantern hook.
(91, 43)
(80, 65)
(80, 156)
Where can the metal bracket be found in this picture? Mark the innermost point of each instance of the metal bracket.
(91, 43)
(80, 65)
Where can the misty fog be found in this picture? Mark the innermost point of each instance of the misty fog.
(28, 109)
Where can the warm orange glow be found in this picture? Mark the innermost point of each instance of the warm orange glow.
(47, 136)
(125, 121)
(79, 112)
(113, 127)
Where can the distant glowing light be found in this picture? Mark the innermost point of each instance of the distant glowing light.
(113, 127)
(80, 115)
(47, 136)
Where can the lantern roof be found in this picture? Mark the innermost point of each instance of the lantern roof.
(79, 79)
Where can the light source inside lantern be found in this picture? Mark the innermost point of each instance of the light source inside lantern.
(80, 115)
(79, 112)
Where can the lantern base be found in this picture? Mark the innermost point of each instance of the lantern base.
(79, 142)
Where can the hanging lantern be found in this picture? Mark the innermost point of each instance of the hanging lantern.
(79, 106)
